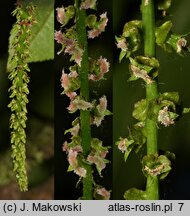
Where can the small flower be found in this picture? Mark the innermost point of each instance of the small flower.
(164, 117)
(72, 107)
(88, 4)
(80, 104)
(65, 146)
(80, 171)
(101, 111)
(71, 95)
(122, 43)
(98, 73)
(182, 42)
(98, 161)
(59, 37)
(140, 73)
(65, 83)
(75, 130)
(72, 48)
(156, 171)
(103, 192)
(61, 16)
(77, 55)
(72, 158)
(70, 83)
(104, 65)
(122, 144)
(100, 27)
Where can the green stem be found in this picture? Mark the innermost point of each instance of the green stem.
(84, 92)
(148, 17)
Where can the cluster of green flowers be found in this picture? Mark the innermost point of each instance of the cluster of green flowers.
(19, 46)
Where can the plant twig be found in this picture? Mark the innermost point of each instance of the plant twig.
(84, 93)
(148, 17)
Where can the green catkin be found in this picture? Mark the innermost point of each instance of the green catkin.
(19, 46)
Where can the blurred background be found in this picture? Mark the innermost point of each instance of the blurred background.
(40, 124)
(173, 76)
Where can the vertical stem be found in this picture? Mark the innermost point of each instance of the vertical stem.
(148, 17)
(84, 92)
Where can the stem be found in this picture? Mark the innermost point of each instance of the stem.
(84, 92)
(148, 17)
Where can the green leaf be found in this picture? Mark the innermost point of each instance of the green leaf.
(163, 4)
(186, 110)
(135, 194)
(70, 168)
(171, 96)
(140, 110)
(162, 32)
(122, 55)
(42, 41)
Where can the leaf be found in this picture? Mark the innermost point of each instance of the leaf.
(163, 4)
(162, 32)
(122, 55)
(135, 194)
(42, 41)
(140, 110)
(171, 96)
(186, 110)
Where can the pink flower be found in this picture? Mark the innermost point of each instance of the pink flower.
(104, 65)
(72, 158)
(104, 22)
(80, 171)
(97, 160)
(73, 74)
(102, 104)
(164, 117)
(69, 83)
(104, 193)
(182, 42)
(101, 111)
(78, 55)
(103, 154)
(80, 104)
(59, 37)
(70, 45)
(75, 130)
(103, 68)
(100, 28)
(122, 44)
(87, 4)
(72, 107)
(61, 16)
(65, 146)
(77, 148)
(141, 73)
(65, 83)
(122, 144)
(71, 95)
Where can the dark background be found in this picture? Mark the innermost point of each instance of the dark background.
(173, 76)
